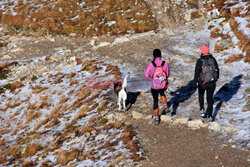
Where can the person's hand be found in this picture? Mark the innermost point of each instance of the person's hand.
(194, 85)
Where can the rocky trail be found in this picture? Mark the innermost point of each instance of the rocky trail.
(171, 143)
(182, 140)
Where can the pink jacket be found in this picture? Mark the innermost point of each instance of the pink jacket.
(150, 69)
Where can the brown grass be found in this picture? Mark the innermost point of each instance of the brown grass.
(195, 14)
(219, 4)
(32, 149)
(233, 58)
(235, 12)
(209, 6)
(58, 20)
(32, 115)
(215, 33)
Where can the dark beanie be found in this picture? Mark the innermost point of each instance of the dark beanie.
(157, 53)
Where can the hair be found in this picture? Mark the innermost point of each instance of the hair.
(156, 53)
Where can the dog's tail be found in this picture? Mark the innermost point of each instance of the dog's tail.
(124, 84)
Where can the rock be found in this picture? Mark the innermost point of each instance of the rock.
(180, 121)
(6, 57)
(101, 137)
(70, 65)
(246, 107)
(224, 104)
(16, 50)
(214, 126)
(234, 146)
(231, 121)
(93, 132)
(171, 79)
(166, 118)
(187, 17)
(113, 118)
(73, 34)
(196, 124)
(79, 49)
(92, 42)
(137, 115)
(3, 65)
(227, 129)
(51, 39)
(216, 157)
(13, 39)
(177, 57)
(72, 59)
(87, 134)
(147, 117)
(102, 44)
(247, 91)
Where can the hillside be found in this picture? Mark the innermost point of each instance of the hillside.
(58, 63)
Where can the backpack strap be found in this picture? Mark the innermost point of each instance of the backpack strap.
(162, 64)
(153, 63)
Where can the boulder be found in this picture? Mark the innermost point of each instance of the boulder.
(166, 118)
(227, 129)
(180, 121)
(137, 115)
(196, 124)
(214, 126)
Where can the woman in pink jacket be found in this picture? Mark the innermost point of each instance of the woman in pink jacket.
(157, 72)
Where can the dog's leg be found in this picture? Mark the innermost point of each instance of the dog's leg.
(119, 103)
(124, 104)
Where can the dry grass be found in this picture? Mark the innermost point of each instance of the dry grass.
(67, 17)
(36, 125)
(229, 13)
(215, 33)
(234, 58)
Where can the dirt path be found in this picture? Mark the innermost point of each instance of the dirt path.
(179, 146)
(164, 146)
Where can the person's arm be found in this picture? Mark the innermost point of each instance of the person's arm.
(217, 69)
(197, 71)
(166, 68)
(147, 73)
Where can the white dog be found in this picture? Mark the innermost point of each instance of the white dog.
(120, 90)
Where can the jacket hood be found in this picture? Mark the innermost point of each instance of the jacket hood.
(206, 56)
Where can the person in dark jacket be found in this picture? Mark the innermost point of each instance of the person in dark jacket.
(206, 86)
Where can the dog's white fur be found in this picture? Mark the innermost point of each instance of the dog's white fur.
(122, 95)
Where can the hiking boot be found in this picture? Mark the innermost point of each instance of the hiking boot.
(202, 113)
(211, 119)
(157, 120)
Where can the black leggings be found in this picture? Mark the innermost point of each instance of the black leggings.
(210, 100)
(155, 94)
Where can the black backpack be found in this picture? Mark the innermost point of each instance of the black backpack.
(208, 71)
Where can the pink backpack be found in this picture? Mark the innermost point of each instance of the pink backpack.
(159, 76)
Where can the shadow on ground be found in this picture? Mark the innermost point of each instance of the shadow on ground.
(180, 95)
(226, 92)
(131, 99)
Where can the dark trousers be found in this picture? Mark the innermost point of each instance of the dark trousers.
(155, 94)
(209, 88)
